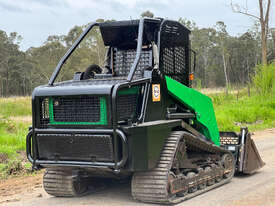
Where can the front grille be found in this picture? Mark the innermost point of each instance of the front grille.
(76, 109)
(84, 147)
(73, 110)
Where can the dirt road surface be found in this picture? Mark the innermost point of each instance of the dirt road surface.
(254, 190)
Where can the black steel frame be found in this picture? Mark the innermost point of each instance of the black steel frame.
(114, 108)
(69, 52)
(31, 143)
(117, 164)
(83, 35)
(32, 150)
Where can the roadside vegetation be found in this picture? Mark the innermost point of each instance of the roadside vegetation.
(15, 118)
(254, 109)
(233, 107)
(235, 110)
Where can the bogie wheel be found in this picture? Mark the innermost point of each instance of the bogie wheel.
(228, 164)
(193, 186)
(184, 192)
(62, 183)
(210, 181)
(218, 172)
(202, 182)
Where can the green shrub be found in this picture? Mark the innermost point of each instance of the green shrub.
(264, 79)
(254, 112)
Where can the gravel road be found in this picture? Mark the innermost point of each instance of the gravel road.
(254, 190)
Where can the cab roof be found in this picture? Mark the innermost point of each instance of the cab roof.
(118, 33)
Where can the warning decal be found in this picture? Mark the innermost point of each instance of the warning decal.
(156, 92)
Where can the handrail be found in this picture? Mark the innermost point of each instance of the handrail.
(138, 52)
(69, 52)
(114, 108)
(28, 146)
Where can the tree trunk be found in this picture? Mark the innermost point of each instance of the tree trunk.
(1, 87)
(205, 62)
(264, 20)
(264, 45)
(225, 71)
(7, 82)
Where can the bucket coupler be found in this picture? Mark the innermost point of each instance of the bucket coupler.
(246, 154)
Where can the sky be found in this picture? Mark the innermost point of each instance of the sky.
(35, 20)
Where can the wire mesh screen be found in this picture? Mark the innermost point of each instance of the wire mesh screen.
(174, 63)
(174, 51)
(127, 106)
(76, 109)
(73, 110)
(84, 147)
(123, 60)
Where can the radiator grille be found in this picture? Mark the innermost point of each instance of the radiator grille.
(85, 147)
(73, 110)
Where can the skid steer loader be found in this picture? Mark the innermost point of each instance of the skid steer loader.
(140, 120)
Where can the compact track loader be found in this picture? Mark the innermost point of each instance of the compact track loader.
(139, 119)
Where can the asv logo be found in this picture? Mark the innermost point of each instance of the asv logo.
(156, 92)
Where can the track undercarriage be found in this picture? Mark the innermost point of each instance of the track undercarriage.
(188, 166)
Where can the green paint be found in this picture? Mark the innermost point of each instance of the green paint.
(102, 121)
(200, 104)
(132, 90)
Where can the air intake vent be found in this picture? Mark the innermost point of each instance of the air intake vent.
(127, 103)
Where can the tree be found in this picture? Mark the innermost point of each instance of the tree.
(263, 18)
(147, 14)
(222, 35)
(10, 60)
(271, 55)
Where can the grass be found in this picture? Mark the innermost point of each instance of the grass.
(13, 132)
(15, 106)
(256, 112)
(12, 136)
(232, 111)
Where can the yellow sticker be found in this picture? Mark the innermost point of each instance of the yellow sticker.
(156, 92)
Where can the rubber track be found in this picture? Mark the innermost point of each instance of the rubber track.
(59, 183)
(151, 186)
